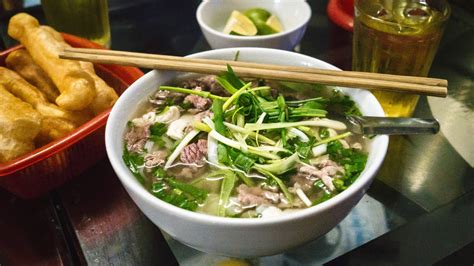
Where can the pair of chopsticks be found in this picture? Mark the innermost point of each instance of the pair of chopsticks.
(365, 80)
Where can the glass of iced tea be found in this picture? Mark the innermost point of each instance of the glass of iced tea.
(397, 37)
(85, 18)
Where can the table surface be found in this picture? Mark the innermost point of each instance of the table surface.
(419, 209)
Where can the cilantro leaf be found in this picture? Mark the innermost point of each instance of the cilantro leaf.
(158, 129)
(352, 160)
(133, 161)
(180, 194)
(342, 104)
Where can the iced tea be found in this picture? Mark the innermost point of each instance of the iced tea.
(85, 18)
(397, 37)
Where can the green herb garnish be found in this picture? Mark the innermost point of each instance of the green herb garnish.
(134, 161)
(352, 160)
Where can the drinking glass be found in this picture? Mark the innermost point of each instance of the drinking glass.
(397, 37)
(85, 18)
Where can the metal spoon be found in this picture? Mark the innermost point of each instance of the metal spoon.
(371, 125)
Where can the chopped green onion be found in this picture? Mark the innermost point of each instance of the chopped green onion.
(201, 126)
(327, 140)
(243, 162)
(227, 186)
(197, 193)
(279, 167)
(280, 183)
(236, 145)
(226, 85)
(204, 94)
(315, 123)
(252, 134)
(218, 116)
(230, 80)
(235, 96)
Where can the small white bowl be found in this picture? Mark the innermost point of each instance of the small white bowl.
(294, 15)
(240, 237)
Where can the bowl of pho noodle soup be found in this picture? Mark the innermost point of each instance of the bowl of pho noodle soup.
(243, 148)
(241, 158)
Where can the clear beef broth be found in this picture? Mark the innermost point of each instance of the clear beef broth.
(196, 147)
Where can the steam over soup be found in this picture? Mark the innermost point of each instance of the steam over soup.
(234, 148)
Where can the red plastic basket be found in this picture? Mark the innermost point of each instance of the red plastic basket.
(48, 167)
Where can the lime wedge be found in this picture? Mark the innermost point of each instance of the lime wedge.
(263, 28)
(257, 14)
(240, 25)
(274, 23)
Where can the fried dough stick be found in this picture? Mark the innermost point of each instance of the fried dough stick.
(75, 85)
(11, 148)
(105, 95)
(53, 128)
(19, 125)
(21, 61)
(30, 94)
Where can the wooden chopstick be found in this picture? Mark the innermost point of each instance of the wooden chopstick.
(355, 74)
(374, 81)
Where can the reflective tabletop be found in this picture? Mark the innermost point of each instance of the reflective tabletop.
(418, 211)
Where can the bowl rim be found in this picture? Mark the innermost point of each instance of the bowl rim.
(210, 29)
(135, 189)
(129, 74)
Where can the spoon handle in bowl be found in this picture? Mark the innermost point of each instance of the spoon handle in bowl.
(369, 125)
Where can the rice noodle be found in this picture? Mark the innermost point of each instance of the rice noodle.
(212, 155)
(303, 197)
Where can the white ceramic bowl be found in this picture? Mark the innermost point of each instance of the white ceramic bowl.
(232, 236)
(294, 15)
